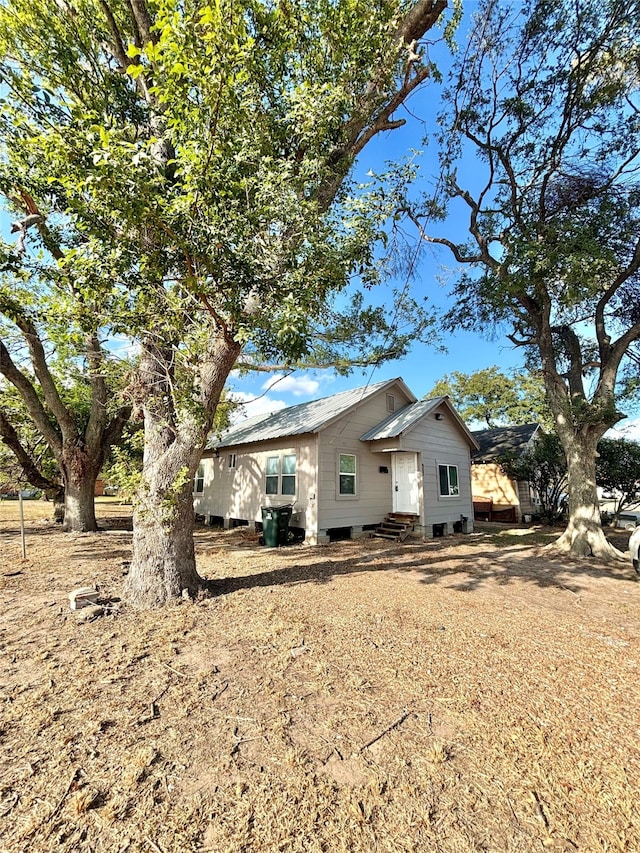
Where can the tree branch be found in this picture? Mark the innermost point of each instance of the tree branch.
(453, 247)
(28, 393)
(47, 383)
(117, 47)
(373, 112)
(571, 344)
(32, 473)
(99, 395)
(604, 340)
(143, 21)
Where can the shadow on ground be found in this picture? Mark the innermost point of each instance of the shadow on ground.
(453, 562)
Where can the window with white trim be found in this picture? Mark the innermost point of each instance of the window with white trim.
(232, 460)
(347, 474)
(280, 475)
(448, 478)
(198, 480)
(288, 482)
(272, 475)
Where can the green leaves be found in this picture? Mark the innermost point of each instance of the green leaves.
(191, 165)
(494, 398)
(543, 465)
(618, 471)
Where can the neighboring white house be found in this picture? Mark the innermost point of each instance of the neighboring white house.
(344, 463)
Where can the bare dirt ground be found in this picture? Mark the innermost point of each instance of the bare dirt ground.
(465, 694)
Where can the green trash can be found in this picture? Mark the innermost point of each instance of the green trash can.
(275, 525)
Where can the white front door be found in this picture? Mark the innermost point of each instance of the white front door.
(405, 483)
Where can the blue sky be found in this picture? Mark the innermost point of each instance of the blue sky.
(421, 369)
(424, 365)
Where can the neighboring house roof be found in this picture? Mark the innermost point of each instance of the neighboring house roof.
(500, 441)
(303, 418)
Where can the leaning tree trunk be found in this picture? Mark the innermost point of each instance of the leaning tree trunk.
(163, 564)
(583, 536)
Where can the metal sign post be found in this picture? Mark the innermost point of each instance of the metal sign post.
(22, 539)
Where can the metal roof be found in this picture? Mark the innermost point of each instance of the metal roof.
(499, 441)
(402, 420)
(303, 418)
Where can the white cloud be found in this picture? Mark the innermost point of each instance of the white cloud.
(627, 429)
(252, 406)
(299, 386)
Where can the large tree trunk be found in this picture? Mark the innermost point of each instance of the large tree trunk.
(79, 505)
(80, 473)
(163, 563)
(583, 536)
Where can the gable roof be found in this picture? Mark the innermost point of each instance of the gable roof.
(405, 419)
(302, 418)
(499, 441)
(401, 421)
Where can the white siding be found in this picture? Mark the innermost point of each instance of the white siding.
(373, 499)
(441, 442)
(240, 493)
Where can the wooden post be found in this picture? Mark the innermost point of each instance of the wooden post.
(22, 539)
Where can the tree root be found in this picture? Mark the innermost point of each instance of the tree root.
(584, 543)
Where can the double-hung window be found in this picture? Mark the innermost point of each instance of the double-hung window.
(347, 483)
(280, 475)
(198, 480)
(288, 482)
(273, 475)
(448, 476)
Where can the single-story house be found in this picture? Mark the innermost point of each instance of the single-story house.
(345, 463)
(495, 496)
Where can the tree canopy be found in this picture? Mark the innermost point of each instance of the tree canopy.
(494, 398)
(202, 155)
(547, 98)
